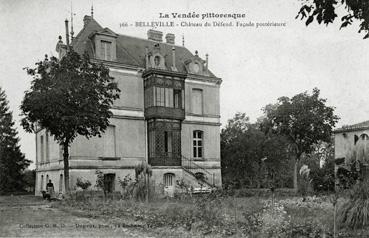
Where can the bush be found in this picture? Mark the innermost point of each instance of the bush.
(127, 186)
(100, 181)
(354, 213)
(83, 184)
(323, 178)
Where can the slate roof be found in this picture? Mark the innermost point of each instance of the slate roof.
(355, 127)
(131, 50)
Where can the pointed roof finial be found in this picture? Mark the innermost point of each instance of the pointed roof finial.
(183, 40)
(71, 20)
(92, 10)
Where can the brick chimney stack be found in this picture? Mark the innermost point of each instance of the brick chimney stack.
(155, 35)
(170, 38)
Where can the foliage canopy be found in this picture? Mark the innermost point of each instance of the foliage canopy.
(324, 11)
(69, 97)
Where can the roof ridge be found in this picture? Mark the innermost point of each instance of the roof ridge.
(84, 26)
(136, 37)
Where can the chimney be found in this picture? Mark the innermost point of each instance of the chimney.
(174, 58)
(67, 33)
(170, 38)
(155, 35)
(86, 20)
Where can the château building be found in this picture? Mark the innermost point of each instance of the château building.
(167, 115)
(351, 145)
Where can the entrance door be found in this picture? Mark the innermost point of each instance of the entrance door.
(169, 183)
(109, 182)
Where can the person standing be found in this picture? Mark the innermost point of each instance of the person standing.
(49, 189)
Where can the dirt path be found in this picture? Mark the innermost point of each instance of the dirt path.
(28, 216)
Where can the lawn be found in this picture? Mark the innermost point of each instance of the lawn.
(215, 215)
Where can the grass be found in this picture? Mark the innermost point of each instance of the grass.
(216, 215)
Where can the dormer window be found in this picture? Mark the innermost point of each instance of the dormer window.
(157, 61)
(105, 42)
(106, 50)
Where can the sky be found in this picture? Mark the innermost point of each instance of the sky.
(257, 65)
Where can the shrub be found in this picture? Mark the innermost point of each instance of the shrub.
(354, 213)
(83, 184)
(348, 177)
(100, 181)
(127, 186)
(323, 178)
(183, 190)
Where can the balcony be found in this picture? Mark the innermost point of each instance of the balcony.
(164, 113)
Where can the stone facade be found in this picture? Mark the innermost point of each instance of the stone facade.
(167, 114)
(352, 144)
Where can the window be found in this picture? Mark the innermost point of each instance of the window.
(169, 97)
(42, 183)
(160, 97)
(177, 98)
(200, 176)
(168, 179)
(152, 143)
(47, 147)
(109, 142)
(168, 142)
(197, 144)
(42, 149)
(61, 183)
(197, 101)
(109, 182)
(105, 50)
(157, 61)
(163, 97)
(364, 137)
(47, 179)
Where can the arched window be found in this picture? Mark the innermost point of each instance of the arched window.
(42, 183)
(364, 137)
(169, 179)
(200, 176)
(61, 183)
(47, 179)
(198, 150)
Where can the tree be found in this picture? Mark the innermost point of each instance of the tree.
(304, 120)
(30, 179)
(69, 97)
(240, 150)
(324, 11)
(243, 146)
(321, 164)
(12, 161)
(143, 172)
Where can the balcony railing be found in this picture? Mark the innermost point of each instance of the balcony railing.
(165, 112)
(165, 159)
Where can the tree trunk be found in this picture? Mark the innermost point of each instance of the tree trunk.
(147, 187)
(295, 173)
(66, 166)
(295, 185)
